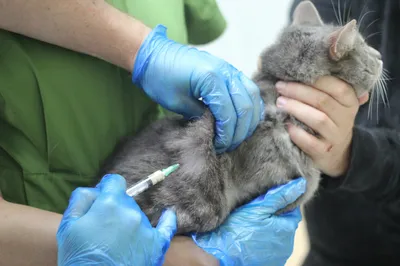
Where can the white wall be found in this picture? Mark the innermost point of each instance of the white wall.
(252, 25)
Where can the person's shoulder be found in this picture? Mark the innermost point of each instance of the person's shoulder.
(205, 21)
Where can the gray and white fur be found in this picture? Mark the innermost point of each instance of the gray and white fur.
(207, 186)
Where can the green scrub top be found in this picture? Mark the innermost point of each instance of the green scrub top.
(62, 112)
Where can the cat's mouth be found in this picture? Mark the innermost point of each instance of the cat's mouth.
(378, 77)
(363, 94)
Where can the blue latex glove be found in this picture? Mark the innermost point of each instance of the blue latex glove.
(252, 235)
(176, 76)
(104, 226)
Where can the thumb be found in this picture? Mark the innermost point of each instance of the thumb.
(112, 183)
(190, 108)
(167, 227)
(286, 194)
(80, 202)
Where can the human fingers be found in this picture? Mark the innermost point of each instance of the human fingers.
(295, 213)
(112, 183)
(112, 199)
(243, 106)
(312, 97)
(308, 143)
(188, 107)
(276, 198)
(258, 104)
(80, 202)
(310, 116)
(216, 96)
(341, 91)
(363, 99)
(167, 227)
(284, 195)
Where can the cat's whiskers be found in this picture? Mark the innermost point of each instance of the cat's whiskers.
(385, 77)
(362, 10)
(340, 15)
(362, 18)
(371, 35)
(336, 15)
(348, 13)
(341, 18)
(369, 25)
(370, 104)
(379, 93)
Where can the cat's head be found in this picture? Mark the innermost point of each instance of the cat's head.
(308, 49)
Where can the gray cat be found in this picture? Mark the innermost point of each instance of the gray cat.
(207, 186)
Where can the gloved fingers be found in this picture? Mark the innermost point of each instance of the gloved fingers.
(190, 108)
(243, 106)
(284, 195)
(280, 196)
(258, 104)
(217, 98)
(112, 183)
(131, 206)
(112, 198)
(80, 202)
(289, 221)
(167, 226)
(294, 215)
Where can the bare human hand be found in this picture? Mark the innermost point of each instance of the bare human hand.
(329, 108)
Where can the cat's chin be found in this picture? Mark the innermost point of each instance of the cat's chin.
(362, 95)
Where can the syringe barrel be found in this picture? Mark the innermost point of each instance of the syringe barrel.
(141, 186)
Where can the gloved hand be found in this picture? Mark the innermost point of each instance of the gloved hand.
(176, 76)
(252, 235)
(104, 226)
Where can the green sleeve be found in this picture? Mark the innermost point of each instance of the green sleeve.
(204, 20)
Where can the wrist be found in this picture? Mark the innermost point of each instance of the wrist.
(343, 160)
(142, 37)
(122, 37)
(153, 41)
(130, 39)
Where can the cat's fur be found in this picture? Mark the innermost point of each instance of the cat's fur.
(207, 186)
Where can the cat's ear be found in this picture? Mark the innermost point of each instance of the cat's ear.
(342, 41)
(306, 14)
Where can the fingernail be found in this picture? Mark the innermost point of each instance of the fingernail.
(280, 86)
(281, 102)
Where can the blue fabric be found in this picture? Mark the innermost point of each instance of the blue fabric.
(104, 226)
(252, 235)
(176, 76)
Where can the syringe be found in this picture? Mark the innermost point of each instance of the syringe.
(151, 180)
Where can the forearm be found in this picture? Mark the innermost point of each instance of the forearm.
(91, 27)
(184, 252)
(27, 235)
(374, 164)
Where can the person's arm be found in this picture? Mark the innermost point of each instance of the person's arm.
(91, 27)
(374, 167)
(28, 237)
(374, 161)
